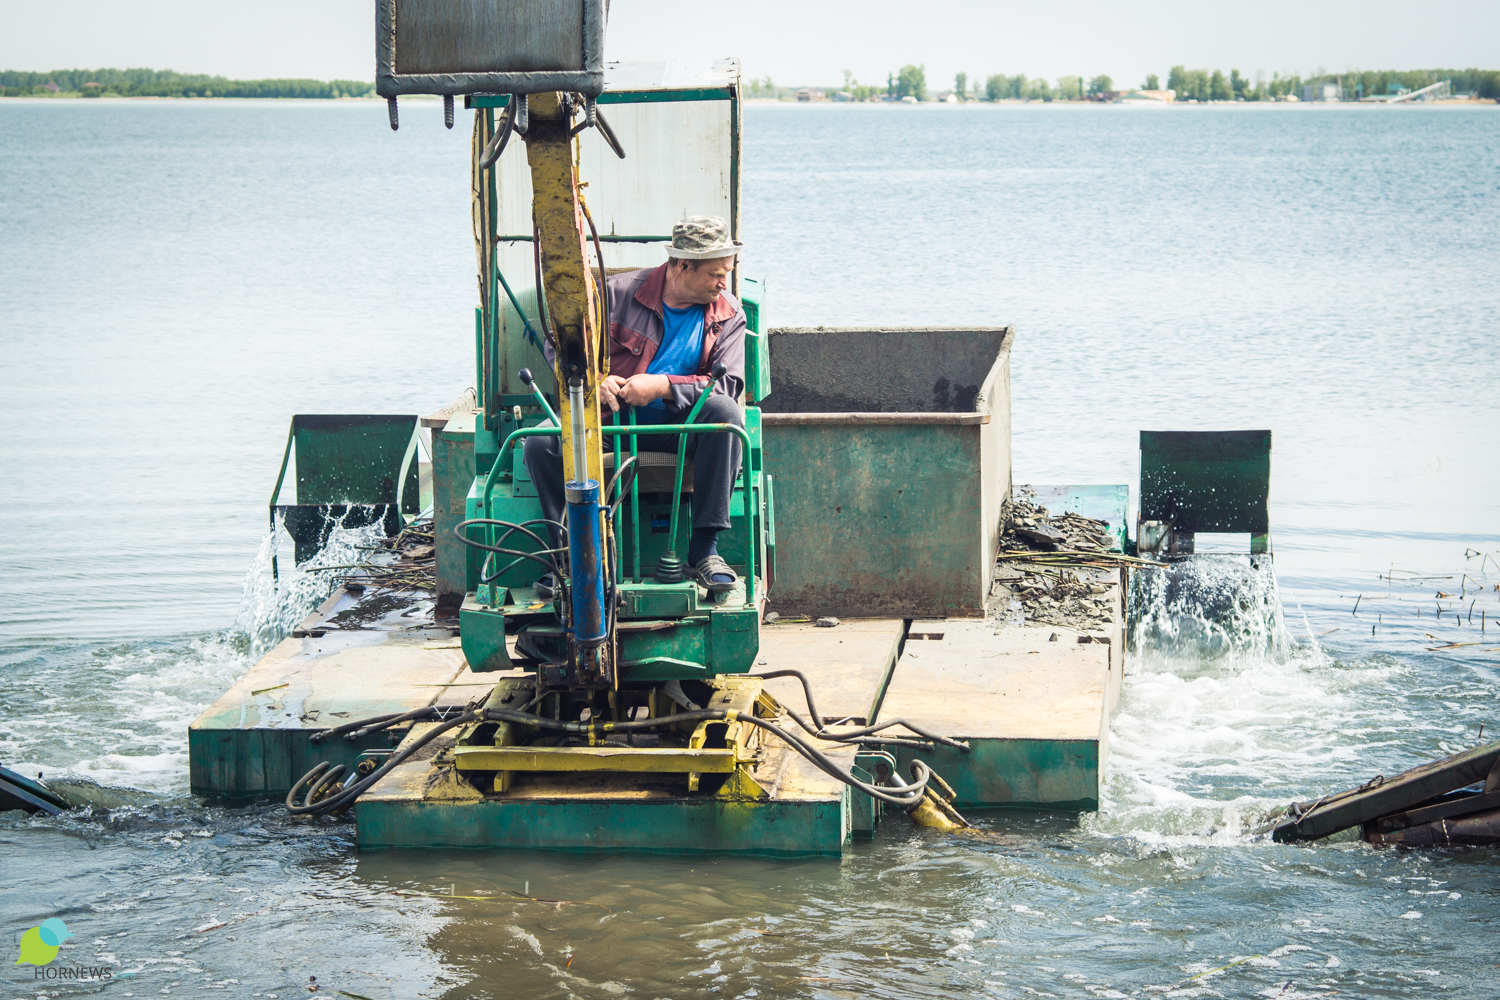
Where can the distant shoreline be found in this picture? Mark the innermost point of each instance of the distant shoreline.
(1446, 102)
(774, 102)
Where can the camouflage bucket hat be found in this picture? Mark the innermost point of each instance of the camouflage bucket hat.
(702, 237)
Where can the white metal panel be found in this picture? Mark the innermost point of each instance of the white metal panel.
(677, 164)
(674, 74)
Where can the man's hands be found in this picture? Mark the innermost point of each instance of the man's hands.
(638, 390)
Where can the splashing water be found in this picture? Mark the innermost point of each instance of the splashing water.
(1223, 716)
(270, 607)
(1217, 607)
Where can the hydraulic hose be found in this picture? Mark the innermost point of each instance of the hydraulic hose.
(322, 776)
(352, 731)
(908, 796)
(857, 735)
(346, 795)
(510, 527)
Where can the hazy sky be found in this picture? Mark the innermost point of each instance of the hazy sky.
(794, 41)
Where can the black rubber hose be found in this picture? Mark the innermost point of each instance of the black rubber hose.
(327, 779)
(352, 792)
(376, 723)
(599, 255)
(912, 795)
(545, 314)
(291, 796)
(510, 527)
(610, 488)
(487, 577)
(496, 144)
(853, 736)
(319, 737)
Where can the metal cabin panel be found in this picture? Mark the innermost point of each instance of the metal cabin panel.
(683, 151)
(676, 167)
(489, 46)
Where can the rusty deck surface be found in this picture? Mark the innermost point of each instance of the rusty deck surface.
(1035, 709)
(847, 665)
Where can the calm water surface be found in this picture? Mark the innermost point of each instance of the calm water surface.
(177, 278)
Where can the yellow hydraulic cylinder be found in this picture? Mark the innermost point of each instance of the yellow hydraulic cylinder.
(567, 280)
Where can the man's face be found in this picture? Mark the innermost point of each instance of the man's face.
(703, 285)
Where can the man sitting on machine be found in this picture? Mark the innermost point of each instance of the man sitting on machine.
(669, 326)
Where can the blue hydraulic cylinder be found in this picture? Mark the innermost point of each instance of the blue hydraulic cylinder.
(586, 562)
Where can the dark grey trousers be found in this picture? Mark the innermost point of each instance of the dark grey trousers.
(715, 458)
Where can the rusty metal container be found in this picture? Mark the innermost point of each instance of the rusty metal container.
(890, 452)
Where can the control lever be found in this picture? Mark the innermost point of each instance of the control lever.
(530, 383)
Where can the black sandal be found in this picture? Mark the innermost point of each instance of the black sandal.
(710, 567)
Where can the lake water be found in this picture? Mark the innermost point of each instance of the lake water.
(177, 278)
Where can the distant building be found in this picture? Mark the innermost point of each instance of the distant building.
(51, 87)
(841, 96)
(1322, 92)
(811, 95)
(1148, 97)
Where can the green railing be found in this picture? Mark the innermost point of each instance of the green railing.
(633, 430)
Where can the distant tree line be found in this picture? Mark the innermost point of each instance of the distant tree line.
(1190, 85)
(165, 83)
(1206, 85)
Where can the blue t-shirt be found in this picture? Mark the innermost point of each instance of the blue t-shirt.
(681, 345)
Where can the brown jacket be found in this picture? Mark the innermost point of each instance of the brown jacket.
(636, 325)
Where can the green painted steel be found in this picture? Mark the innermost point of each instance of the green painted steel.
(346, 458)
(757, 340)
(228, 761)
(452, 473)
(777, 828)
(1215, 481)
(891, 454)
(353, 469)
(1048, 774)
(687, 641)
(497, 496)
(876, 520)
(481, 630)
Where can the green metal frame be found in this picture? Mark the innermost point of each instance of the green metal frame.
(1208, 481)
(616, 431)
(757, 346)
(619, 97)
(344, 461)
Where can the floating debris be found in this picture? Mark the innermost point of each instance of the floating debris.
(1029, 527)
(415, 567)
